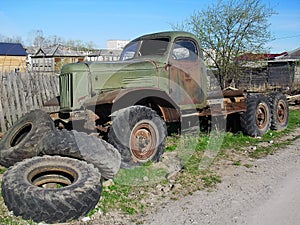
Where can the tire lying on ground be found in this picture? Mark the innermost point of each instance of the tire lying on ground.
(80, 145)
(20, 142)
(256, 121)
(279, 110)
(51, 189)
(139, 134)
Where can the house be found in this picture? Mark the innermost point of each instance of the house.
(104, 55)
(30, 50)
(12, 57)
(284, 70)
(51, 59)
(261, 72)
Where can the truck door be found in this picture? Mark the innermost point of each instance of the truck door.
(186, 82)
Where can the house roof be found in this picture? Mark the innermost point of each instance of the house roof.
(106, 52)
(12, 49)
(57, 50)
(256, 57)
(295, 54)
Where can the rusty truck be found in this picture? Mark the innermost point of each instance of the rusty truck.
(159, 80)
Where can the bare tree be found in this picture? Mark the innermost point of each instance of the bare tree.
(15, 39)
(38, 39)
(229, 28)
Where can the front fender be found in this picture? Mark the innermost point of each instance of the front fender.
(123, 98)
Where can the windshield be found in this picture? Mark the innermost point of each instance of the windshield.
(146, 47)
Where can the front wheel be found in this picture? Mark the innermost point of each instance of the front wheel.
(139, 134)
(256, 120)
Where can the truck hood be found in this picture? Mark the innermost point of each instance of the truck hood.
(116, 75)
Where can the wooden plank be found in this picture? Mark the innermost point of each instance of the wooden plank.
(34, 91)
(5, 101)
(2, 121)
(16, 96)
(22, 95)
(42, 89)
(31, 98)
(37, 89)
(10, 98)
(54, 84)
(47, 88)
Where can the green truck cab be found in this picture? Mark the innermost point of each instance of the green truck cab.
(168, 63)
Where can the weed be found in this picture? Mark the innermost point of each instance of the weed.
(2, 170)
(171, 143)
(248, 165)
(236, 163)
(211, 180)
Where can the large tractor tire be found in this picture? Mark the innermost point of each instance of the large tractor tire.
(279, 110)
(256, 120)
(20, 142)
(79, 145)
(139, 134)
(51, 189)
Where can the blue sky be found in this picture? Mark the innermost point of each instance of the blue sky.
(98, 21)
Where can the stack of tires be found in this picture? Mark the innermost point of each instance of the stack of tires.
(54, 175)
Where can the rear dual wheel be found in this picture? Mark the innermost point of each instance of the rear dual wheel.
(256, 121)
(279, 110)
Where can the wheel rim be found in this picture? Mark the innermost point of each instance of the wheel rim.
(281, 112)
(143, 141)
(52, 177)
(262, 116)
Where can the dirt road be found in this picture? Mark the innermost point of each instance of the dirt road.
(265, 194)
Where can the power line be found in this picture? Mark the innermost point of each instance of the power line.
(287, 37)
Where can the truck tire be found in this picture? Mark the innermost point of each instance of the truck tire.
(20, 142)
(279, 110)
(139, 134)
(80, 145)
(256, 120)
(51, 189)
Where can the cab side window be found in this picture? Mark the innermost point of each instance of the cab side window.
(185, 50)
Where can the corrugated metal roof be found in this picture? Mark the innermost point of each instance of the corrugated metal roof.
(12, 49)
(295, 54)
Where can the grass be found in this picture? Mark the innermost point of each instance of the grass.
(133, 188)
(2, 170)
(294, 122)
(119, 197)
(194, 150)
(211, 180)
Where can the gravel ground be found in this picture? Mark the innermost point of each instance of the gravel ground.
(266, 193)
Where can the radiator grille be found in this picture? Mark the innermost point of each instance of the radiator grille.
(66, 90)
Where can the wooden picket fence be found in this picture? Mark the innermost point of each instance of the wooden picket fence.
(21, 93)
